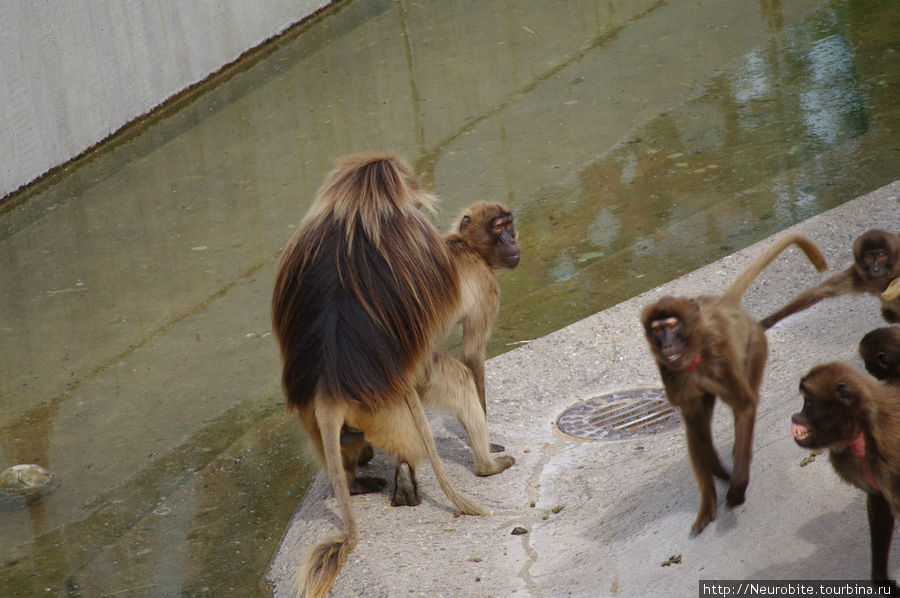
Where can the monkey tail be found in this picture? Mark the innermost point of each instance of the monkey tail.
(424, 428)
(737, 289)
(325, 560)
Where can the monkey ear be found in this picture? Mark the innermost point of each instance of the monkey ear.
(844, 394)
(464, 223)
(882, 359)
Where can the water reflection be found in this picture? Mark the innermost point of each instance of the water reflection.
(635, 141)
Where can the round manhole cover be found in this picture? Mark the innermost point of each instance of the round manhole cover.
(619, 415)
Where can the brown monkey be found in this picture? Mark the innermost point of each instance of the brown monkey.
(363, 292)
(708, 347)
(858, 420)
(880, 350)
(483, 240)
(876, 257)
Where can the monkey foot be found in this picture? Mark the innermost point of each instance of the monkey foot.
(735, 495)
(497, 448)
(496, 466)
(406, 490)
(703, 519)
(366, 485)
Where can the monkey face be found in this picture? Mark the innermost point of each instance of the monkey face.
(668, 324)
(508, 249)
(668, 336)
(874, 253)
(488, 228)
(829, 414)
(876, 262)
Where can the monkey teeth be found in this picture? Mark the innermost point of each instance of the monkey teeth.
(674, 357)
(799, 432)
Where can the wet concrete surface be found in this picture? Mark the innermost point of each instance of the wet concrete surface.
(612, 518)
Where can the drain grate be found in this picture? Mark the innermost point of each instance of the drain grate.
(619, 415)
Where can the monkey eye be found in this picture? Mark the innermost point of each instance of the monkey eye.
(668, 324)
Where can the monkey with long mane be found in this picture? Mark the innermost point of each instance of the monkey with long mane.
(363, 293)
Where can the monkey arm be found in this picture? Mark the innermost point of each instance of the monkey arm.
(478, 320)
(839, 284)
(476, 330)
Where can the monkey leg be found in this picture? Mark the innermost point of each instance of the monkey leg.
(475, 362)
(703, 456)
(712, 457)
(406, 489)
(449, 386)
(352, 448)
(350, 435)
(881, 528)
(325, 560)
(744, 421)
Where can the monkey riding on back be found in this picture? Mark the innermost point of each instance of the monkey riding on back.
(364, 291)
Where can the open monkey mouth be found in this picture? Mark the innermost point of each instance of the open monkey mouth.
(674, 357)
(799, 432)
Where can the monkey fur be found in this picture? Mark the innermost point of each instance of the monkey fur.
(708, 347)
(876, 263)
(483, 241)
(858, 420)
(363, 292)
(880, 350)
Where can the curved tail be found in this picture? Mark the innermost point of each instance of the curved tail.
(424, 429)
(737, 289)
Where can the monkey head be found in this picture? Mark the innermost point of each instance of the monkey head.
(876, 253)
(831, 407)
(880, 350)
(489, 228)
(668, 325)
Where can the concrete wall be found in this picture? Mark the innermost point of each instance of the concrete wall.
(71, 73)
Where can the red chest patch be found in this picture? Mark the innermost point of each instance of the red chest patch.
(858, 449)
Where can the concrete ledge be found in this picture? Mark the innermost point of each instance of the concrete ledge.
(603, 517)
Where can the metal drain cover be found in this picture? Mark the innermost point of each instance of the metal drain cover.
(619, 415)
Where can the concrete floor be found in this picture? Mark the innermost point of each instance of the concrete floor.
(606, 518)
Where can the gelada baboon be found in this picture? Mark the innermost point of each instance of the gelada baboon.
(880, 350)
(858, 420)
(876, 263)
(363, 292)
(708, 347)
(483, 240)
